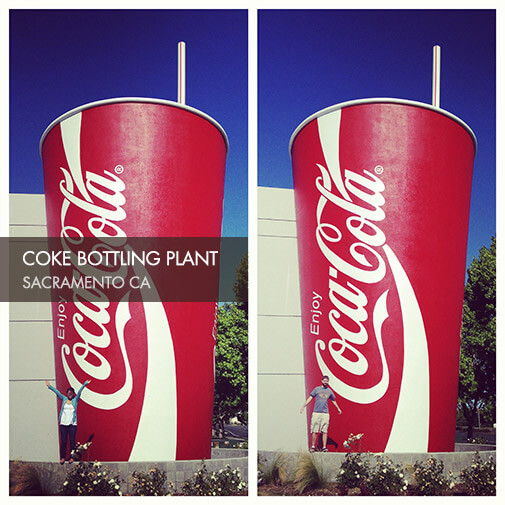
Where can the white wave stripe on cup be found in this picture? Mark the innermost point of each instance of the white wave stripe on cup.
(70, 136)
(156, 437)
(411, 422)
(329, 131)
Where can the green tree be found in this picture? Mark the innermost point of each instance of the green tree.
(241, 285)
(477, 370)
(230, 390)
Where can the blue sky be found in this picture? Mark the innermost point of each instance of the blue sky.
(63, 59)
(309, 60)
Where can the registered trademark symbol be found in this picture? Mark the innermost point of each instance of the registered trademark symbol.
(119, 169)
(379, 169)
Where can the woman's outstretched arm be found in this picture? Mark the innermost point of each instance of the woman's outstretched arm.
(54, 390)
(86, 382)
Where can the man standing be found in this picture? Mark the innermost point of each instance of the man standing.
(320, 415)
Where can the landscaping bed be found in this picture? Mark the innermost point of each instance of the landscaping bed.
(289, 489)
(365, 474)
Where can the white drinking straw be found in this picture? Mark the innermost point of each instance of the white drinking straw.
(181, 72)
(435, 98)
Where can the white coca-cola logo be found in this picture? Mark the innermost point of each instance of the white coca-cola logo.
(102, 199)
(365, 265)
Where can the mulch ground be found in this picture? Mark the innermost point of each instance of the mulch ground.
(289, 489)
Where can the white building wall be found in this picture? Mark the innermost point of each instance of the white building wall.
(281, 388)
(33, 420)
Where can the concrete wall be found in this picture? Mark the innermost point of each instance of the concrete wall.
(33, 421)
(52, 475)
(281, 388)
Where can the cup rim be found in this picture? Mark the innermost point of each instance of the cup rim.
(134, 99)
(361, 101)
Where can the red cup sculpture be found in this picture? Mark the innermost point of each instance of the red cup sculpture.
(382, 194)
(134, 167)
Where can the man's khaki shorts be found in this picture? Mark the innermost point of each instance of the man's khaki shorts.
(319, 422)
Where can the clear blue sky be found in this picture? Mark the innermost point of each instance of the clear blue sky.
(63, 59)
(309, 60)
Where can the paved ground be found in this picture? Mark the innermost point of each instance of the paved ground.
(487, 435)
(240, 431)
(236, 431)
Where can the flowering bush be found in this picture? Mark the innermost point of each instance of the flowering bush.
(353, 471)
(79, 450)
(152, 483)
(477, 440)
(352, 440)
(385, 478)
(480, 477)
(90, 479)
(430, 478)
(225, 482)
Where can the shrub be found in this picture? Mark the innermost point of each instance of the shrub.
(25, 480)
(272, 471)
(353, 440)
(480, 477)
(152, 483)
(225, 482)
(90, 479)
(80, 449)
(386, 479)
(430, 478)
(310, 474)
(477, 440)
(353, 471)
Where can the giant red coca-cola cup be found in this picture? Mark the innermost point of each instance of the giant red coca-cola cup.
(382, 193)
(134, 167)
